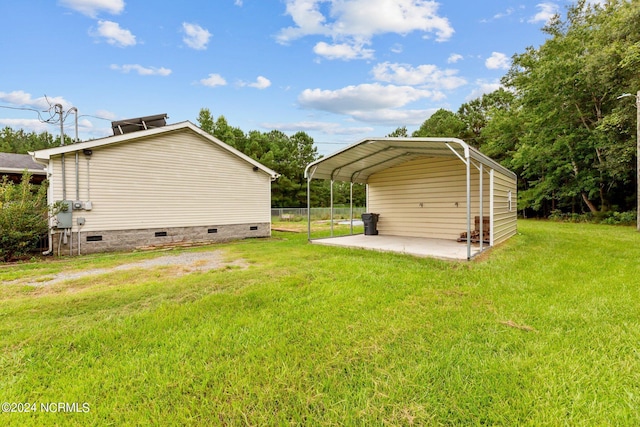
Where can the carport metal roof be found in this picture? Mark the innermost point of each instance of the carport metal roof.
(358, 161)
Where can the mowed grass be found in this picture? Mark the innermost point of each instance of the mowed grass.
(543, 330)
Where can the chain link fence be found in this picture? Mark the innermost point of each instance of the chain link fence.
(297, 214)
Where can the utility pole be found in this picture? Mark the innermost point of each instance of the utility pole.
(638, 160)
(60, 111)
(637, 96)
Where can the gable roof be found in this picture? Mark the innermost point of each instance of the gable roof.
(358, 161)
(45, 155)
(17, 163)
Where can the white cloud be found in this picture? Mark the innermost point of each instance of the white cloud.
(308, 19)
(393, 117)
(195, 37)
(426, 76)
(114, 34)
(260, 83)
(356, 22)
(483, 87)
(29, 125)
(361, 98)
(497, 61)
(93, 7)
(342, 51)
(143, 71)
(22, 99)
(214, 80)
(545, 13)
(328, 128)
(104, 114)
(238, 2)
(501, 15)
(453, 58)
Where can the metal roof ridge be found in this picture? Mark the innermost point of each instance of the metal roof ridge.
(115, 139)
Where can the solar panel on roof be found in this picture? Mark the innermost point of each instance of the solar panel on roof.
(122, 127)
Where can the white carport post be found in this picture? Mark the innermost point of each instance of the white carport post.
(331, 205)
(467, 161)
(351, 205)
(309, 178)
(491, 206)
(480, 168)
(481, 212)
(309, 208)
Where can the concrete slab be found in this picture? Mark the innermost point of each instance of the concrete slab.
(417, 246)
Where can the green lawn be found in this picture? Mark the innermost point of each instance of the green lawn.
(545, 330)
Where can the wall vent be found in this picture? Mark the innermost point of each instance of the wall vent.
(161, 233)
(212, 230)
(253, 228)
(94, 238)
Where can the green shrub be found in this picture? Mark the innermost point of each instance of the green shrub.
(608, 217)
(620, 218)
(23, 217)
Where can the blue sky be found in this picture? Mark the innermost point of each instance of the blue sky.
(340, 70)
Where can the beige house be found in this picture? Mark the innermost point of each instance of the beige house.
(436, 188)
(158, 185)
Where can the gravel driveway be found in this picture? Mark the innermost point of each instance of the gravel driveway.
(188, 263)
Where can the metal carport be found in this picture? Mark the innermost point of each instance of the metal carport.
(357, 163)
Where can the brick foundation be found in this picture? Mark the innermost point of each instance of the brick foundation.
(122, 240)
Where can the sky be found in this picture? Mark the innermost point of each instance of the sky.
(339, 70)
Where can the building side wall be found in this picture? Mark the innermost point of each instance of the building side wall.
(173, 180)
(427, 197)
(505, 214)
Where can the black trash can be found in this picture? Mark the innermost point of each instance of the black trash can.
(370, 221)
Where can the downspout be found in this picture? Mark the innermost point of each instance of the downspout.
(64, 176)
(75, 110)
(88, 156)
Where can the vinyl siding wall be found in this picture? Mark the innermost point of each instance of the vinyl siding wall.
(439, 184)
(504, 214)
(177, 179)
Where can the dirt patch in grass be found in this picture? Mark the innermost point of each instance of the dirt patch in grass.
(180, 264)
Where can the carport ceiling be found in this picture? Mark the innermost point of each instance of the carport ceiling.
(359, 161)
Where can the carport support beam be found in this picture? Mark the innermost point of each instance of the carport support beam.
(468, 163)
(351, 205)
(309, 208)
(481, 224)
(331, 205)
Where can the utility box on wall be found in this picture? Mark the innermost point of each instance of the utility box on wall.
(65, 216)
